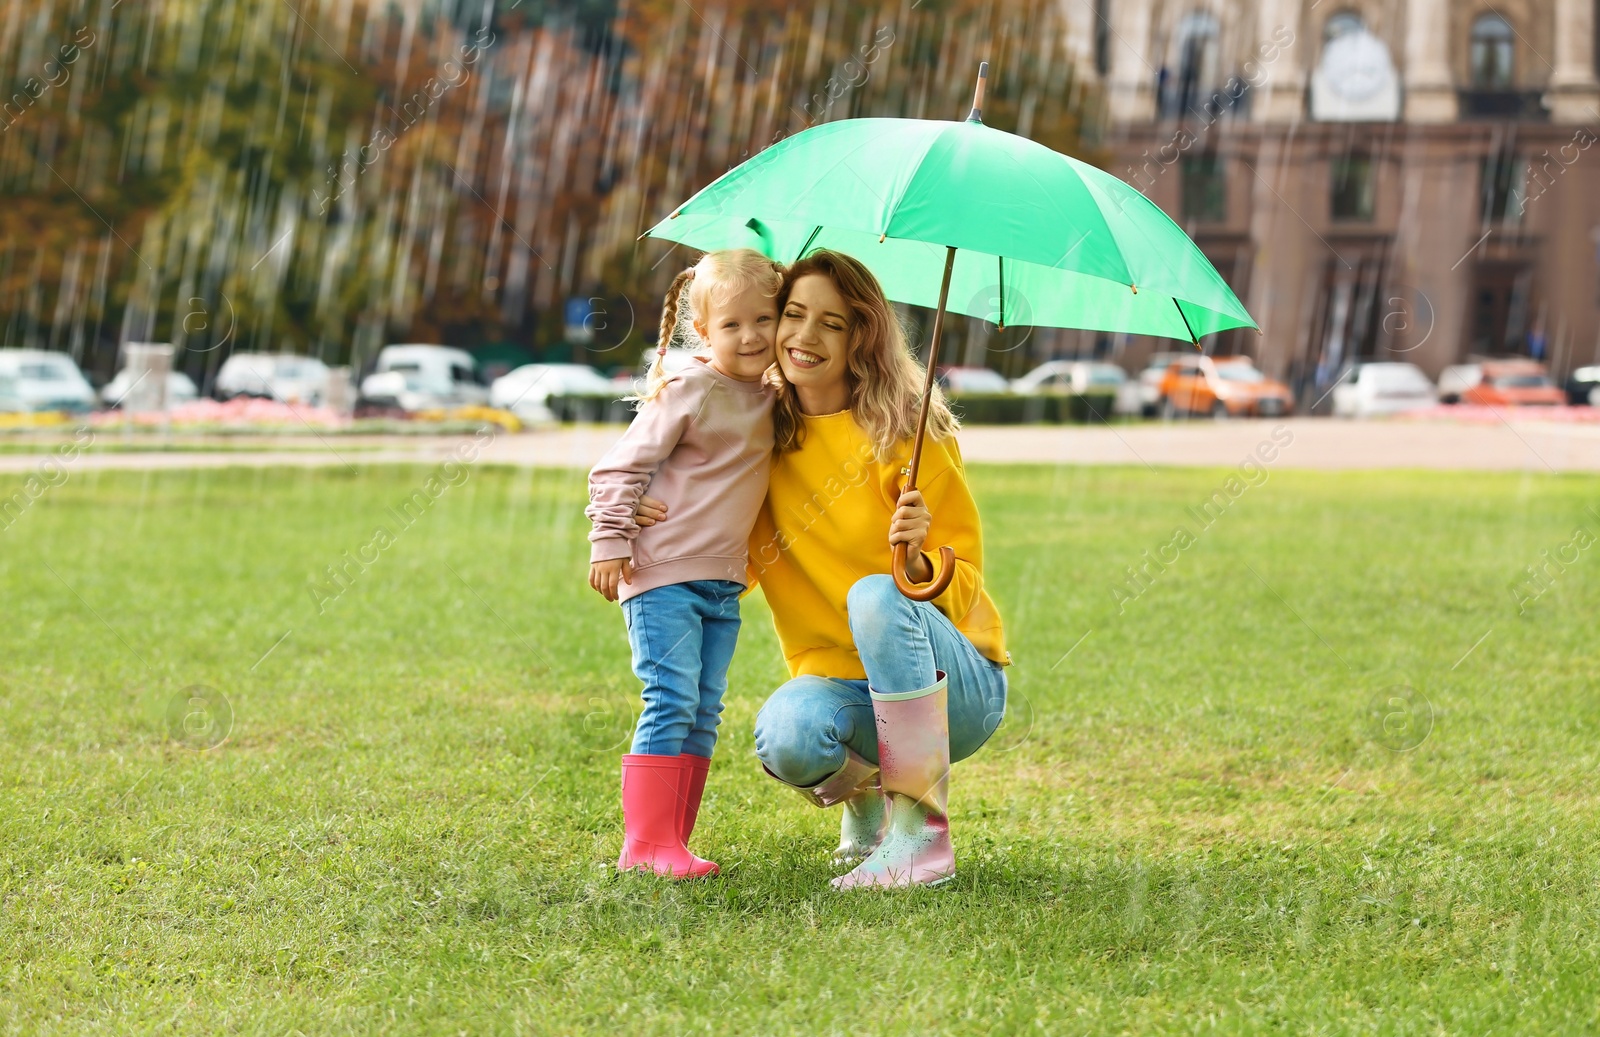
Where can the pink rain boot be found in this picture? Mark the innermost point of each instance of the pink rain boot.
(855, 784)
(914, 757)
(694, 787)
(652, 801)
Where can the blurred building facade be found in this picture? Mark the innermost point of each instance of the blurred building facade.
(1377, 179)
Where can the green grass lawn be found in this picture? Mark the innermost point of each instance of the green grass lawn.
(1220, 812)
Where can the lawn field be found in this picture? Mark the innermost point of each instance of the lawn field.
(1321, 769)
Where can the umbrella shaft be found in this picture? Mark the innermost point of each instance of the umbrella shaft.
(933, 363)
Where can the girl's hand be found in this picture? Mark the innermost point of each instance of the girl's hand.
(911, 523)
(603, 576)
(649, 511)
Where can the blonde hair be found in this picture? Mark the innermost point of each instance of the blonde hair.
(717, 277)
(885, 380)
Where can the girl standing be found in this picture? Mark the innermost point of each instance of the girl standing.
(703, 436)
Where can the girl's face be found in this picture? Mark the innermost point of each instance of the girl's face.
(739, 331)
(814, 334)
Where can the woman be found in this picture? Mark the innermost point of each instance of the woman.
(884, 692)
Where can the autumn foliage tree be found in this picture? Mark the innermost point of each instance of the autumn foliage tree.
(330, 176)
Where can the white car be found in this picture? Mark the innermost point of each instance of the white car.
(526, 390)
(1457, 379)
(972, 379)
(425, 377)
(1383, 388)
(180, 388)
(284, 377)
(1082, 376)
(43, 381)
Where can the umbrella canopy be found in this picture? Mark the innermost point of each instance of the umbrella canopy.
(1041, 238)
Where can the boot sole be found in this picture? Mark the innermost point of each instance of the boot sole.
(909, 885)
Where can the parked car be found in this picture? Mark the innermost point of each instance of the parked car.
(285, 377)
(1457, 379)
(1382, 388)
(10, 401)
(45, 381)
(526, 391)
(1582, 385)
(1222, 387)
(1150, 379)
(1500, 383)
(971, 379)
(1080, 377)
(180, 388)
(416, 376)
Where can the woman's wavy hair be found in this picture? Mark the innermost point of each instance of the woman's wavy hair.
(718, 276)
(885, 380)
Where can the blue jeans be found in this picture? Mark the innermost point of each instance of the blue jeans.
(802, 731)
(682, 637)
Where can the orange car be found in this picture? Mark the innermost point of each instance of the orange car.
(1222, 388)
(1508, 383)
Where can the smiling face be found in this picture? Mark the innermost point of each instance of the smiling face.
(814, 340)
(740, 331)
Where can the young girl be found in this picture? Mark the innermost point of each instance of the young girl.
(703, 436)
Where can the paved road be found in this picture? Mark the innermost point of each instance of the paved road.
(1511, 445)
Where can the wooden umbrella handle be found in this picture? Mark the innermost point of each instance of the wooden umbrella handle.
(924, 591)
(947, 555)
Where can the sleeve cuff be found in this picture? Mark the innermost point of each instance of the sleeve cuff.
(606, 549)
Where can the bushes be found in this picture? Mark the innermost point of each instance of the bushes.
(996, 408)
(590, 407)
(977, 408)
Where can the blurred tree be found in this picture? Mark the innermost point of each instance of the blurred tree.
(333, 175)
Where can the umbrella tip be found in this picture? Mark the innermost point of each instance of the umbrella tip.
(976, 115)
(885, 234)
(1135, 288)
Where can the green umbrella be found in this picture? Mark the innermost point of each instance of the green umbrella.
(1009, 230)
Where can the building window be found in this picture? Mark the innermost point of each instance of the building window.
(1205, 191)
(1195, 59)
(1502, 181)
(1102, 36)
(1490, 53)
(1353, 179)
(1341, 23)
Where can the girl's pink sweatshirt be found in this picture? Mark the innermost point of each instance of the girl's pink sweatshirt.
(704, 445)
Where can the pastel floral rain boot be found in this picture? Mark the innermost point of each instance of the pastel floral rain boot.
(914, 765)
(854, 784)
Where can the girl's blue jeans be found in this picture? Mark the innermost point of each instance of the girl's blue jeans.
(682, 637)
(802, 731)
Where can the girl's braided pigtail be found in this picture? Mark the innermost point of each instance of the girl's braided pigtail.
(656, 379)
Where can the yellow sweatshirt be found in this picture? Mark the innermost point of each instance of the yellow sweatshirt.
(825, 524)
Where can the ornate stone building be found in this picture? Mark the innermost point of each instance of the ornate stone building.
(1401, 179)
